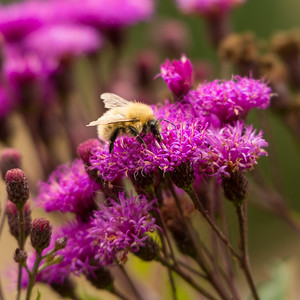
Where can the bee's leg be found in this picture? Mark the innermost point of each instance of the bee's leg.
(159, 137)
(136, 133)
(113, 138)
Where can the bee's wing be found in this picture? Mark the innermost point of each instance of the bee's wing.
(112, 100)
(104, 120)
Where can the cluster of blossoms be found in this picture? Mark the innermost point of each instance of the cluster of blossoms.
(108, 234)
(230, 100)
(69, 189)
(207, 137)
(208, 131)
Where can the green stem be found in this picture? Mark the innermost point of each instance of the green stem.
(21, 247)
(33, 274)
(245, 262)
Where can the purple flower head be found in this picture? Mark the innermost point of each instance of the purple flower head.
(230, 100)
(23, 67)
(103, 14)
(232, 148)
(63, 40)
(19, 19)
(208, 7)
(184, 112)
(178, 146)
(69, 189)
(131, 157)
(121, 227)
(178, 75)
(27, 70)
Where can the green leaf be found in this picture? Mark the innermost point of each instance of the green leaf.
(276, 288)
(38, 297)
(84, 296)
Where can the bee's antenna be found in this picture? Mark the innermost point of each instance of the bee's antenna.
(168, 122)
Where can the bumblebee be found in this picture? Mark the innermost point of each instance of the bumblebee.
(126, 118)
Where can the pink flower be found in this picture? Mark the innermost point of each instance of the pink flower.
(178, 75)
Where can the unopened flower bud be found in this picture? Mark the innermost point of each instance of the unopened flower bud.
(178, 75)
(61, 243)
(17, 187)
(286, 43)
(13, 219)
(101, 278)
(183, 175)
(10, 159)
(20, 256)
(149, 251)
(85, 150)
(235, 187)
(40, 233)
(239, 48)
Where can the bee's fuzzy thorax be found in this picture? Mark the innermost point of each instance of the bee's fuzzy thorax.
(142, 111)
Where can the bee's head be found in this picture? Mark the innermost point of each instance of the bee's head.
(154, 126)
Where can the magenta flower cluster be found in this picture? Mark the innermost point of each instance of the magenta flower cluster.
(121, 227)
(68, 189)
(230, 100)
(208, 131)
(115, 229)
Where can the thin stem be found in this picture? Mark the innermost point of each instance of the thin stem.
(164, 249)
(173, 286)
(21, 247)
(211, 277)
(161, 223)
(212, 224)
(49, 253)
(130, 283)
(33, 274)
(183, 264)
(186, 277)
(116, 292)
(3, 218)
(245, 262)
(227, 258)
